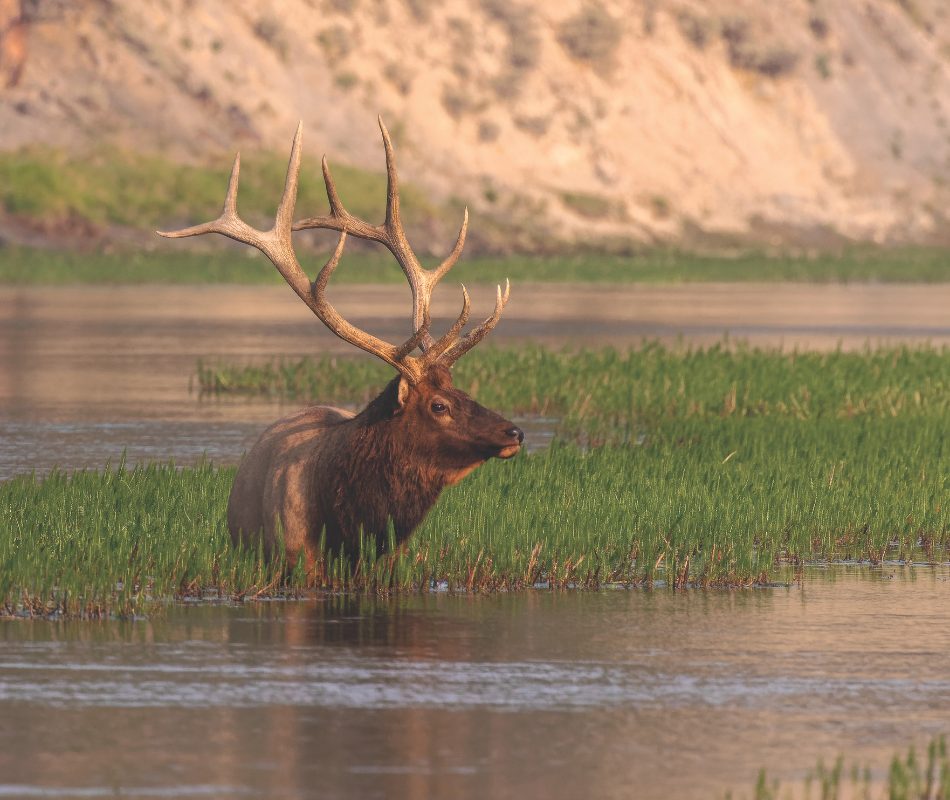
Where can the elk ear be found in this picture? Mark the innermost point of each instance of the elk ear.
(402, 395)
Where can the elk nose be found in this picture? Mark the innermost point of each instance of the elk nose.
(513, 432)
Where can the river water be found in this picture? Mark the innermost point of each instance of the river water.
(88, 372)
(609, 694)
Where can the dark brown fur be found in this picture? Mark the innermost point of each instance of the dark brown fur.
(323, 467)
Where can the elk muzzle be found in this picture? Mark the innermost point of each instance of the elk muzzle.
(515, 437)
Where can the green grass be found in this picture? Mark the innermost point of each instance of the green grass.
(718, 502)
(93, 543)
(907, 779)
(179, 264)
(725, 466)
(610, 394)
(56, 190)
(149, 191)
(26, 266)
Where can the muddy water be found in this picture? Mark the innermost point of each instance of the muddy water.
(611, 694)
(87, 372)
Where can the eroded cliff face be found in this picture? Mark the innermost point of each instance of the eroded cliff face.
(781, 121)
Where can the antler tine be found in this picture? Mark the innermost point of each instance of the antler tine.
(393, 223)
(228, 214)
(395, 356)
(392, 235)
(473, 337)
(419, 279)
(275, 243)
(277, 246)
(336, 207)
(451, 259)
(451, 336)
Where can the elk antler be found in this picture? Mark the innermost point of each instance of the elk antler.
(276, 245)
(422, 281)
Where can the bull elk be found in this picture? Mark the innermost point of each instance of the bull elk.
(327, 469)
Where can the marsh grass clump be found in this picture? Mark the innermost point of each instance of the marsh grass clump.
(722, 502)
(726, 468)
(93, 544)
(907, 779)
(610, 396)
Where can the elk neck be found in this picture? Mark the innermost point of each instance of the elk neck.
(378, 473)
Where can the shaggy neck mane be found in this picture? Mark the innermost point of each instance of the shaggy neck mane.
(381, 474)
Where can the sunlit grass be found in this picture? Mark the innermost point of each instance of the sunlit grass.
(720, 502)
(909, 778)
(723, 466)
(610, 395)
(147, 191)
(54, 190)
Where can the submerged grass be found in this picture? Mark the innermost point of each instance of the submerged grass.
(721, 502)
(610, 394)
(907, 779)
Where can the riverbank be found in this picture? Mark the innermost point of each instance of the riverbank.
(218, 262)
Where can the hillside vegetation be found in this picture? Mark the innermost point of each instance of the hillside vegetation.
(606, 122)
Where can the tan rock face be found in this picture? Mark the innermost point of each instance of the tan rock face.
(802, 120)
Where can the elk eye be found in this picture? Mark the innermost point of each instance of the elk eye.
(439, 408)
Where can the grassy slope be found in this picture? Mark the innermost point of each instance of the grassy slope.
(148, 192)
(49, 188)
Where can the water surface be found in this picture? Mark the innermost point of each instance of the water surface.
(611, 694)
(86, 372)
(118, 353)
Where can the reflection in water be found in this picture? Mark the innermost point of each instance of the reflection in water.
(531, 695)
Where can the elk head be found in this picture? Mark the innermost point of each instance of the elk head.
(447, 429)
